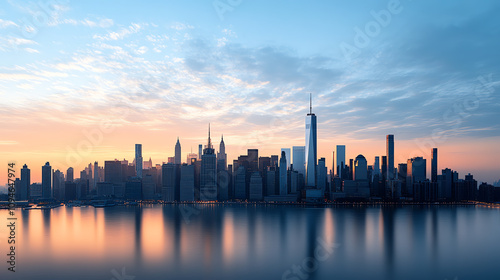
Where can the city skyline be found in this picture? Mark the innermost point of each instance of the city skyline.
(164, 74)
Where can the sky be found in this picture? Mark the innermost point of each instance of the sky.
(83, 81)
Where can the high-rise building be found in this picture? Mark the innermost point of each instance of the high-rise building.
(360, 168)
(283, 174)
(288, 156)
(311, 147)
(416, 172)
(253, 160)
(208, 176)
(190, 157)
(25, 183)
(96, 175)
(240, 183)
(58, 185)
(200, 151)
(390, 156)
(170, 182)
(178, 159)
(46, 181)
(341, 161)
(70, 174)
(321, 174)
(434, 163)
(384, 168)
(299, 159)
(187, 183)
(376, 166)
(255, 187)
(221, 155)
(138, 160)
(113, 171)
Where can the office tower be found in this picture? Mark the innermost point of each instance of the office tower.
(264, 163)
(113, 171)
(321, 174)
(341, 161)
(197, 172)
(271, 181)
(208, 176)
(376, 166)
(96, 175)
(190, 157)
(187, 183)
(360, 168)
(253, 160)
(147, 164)
(70, 192)
(240, 183)
(221, 155)
(177, 159)
(283, 175)
(171, 160)
(148, 187)
(133, 188)
(416, 172)
(46, 181)
(351, 169)
(138, 160)
(390, 156)
(402, 175)
(274, 160)
(445, 184)
(311, 147)
(25, 183)
(434, 167)
(384, 168)
(299, 159)
(255, 192)
(223, 184)
(170, 179)
(58, 184)
(288, 156)
(200, 151)
(70, 175)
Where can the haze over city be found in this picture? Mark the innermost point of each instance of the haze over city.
(248, 70)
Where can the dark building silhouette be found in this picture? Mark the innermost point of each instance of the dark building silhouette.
(46, 181)
(434, 165)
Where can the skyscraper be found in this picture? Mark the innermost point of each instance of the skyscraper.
(25, 183)
(283, 174)
(321, 174)
(341, 161)
(96, 175)
(208, 176)
(416, 172)
(299, 159)
(311, 147)
(360, 168)
(390, 156)
(200, 151)
(138, 160)
(434, 162)
(288, 156)
(221, 155)
(46, 181)
(177, 159)
(70, 174)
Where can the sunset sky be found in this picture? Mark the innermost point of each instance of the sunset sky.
(83, 81)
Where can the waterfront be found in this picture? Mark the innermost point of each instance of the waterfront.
(256, 242)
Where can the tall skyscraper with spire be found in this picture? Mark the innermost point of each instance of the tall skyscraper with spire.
(177, 159)
(311, 147)
(221, 155)
(208, 172)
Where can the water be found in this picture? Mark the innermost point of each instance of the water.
(255, 242)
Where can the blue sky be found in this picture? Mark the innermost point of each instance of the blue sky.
(428, 74)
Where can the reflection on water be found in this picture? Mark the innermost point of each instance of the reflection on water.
(249, 242)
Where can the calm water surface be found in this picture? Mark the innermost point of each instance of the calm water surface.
(255, 242)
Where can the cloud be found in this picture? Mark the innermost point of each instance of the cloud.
(122, 33)
(7, 23)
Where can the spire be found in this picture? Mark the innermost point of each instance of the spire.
(209, 140)
(310, 103)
